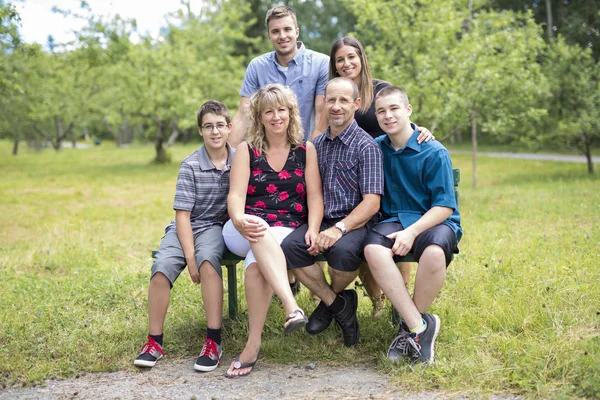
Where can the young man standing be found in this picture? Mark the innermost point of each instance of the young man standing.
(420, 214)
(351, 170)
(194, 238)
(290, 64)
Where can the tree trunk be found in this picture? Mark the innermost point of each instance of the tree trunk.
(588, 157)
(161, 155)
(60, 134)
(174, 136)
(15, 146)
(474, 143)
(549, 24)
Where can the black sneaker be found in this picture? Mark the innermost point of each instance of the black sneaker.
(400, 347)
(150, 354)
(346, 318)
(209, 357)
(319, 320)
(423, 343)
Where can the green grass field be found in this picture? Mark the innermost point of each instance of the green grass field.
(520, 310)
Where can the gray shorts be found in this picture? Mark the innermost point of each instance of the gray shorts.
(170, 260)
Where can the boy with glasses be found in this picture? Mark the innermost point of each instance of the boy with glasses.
(194, 238)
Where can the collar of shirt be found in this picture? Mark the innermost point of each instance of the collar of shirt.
(411, 144)
(297, 58)
(207, 165)
(347, 134)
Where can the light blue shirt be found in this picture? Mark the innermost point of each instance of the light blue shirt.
(306, 76)
(417, 178)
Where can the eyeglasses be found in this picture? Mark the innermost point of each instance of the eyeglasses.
(209, 128)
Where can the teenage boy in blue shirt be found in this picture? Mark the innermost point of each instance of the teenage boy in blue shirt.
(420, 215)
(194, 238)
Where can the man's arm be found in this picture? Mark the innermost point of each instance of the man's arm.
(240, 123)
(186, 238)
(356, 219)
(320, 117)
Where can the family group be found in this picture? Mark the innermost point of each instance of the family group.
(331, 164)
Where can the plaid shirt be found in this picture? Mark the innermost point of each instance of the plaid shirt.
(351, 166)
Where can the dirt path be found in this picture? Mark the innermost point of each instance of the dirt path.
(177, 380)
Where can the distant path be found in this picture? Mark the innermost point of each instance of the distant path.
(176, 379)
(531, 156)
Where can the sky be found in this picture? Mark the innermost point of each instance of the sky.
(38, 21)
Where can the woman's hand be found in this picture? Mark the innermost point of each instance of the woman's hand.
(250, 227)
(424, 135)
(311, 241)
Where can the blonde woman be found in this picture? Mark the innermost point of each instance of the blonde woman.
(275, 187)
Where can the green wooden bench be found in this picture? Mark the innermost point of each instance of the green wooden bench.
(231, 260)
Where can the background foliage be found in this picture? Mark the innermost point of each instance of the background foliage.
(515, 72)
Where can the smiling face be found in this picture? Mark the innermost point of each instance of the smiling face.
(283, 34)
(393, 114)
(215, 131)
(347, 63)
(340, 104)
(275, 119)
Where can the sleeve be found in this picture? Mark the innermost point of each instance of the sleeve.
(250, 84)
(323, 76)
(439, 180)
(185, 190)
(371, 169)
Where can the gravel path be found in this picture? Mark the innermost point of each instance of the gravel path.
(177, 380)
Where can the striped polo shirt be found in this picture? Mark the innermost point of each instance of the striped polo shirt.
(202, 189)
(351, 166)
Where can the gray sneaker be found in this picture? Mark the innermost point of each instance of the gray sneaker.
(423, 343)
(400, 346)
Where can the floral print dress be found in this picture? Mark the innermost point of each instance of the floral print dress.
(278, 197)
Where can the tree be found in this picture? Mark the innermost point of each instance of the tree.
(461, 71)
(575, 102)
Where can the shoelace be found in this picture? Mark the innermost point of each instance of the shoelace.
(151, 344)
(414, 346)
(401, 343)
(209, 349)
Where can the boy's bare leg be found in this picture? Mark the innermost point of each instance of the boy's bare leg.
(212, 294)
(159, 294)
(390, 280)
(431, 275)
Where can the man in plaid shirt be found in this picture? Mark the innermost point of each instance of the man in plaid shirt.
(350, 163)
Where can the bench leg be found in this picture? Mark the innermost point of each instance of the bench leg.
(232, 290)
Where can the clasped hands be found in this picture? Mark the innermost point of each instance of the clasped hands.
(322, 241)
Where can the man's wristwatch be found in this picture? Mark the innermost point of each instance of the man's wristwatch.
(341, 226)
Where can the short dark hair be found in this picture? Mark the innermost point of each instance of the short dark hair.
(280, 12)
(213, 107)
(391, 90)
(355, 92)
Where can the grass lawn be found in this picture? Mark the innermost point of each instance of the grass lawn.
(520, 310)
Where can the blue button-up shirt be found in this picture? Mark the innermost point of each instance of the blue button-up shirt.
(417, 177)
(351, 166)
(306, 76)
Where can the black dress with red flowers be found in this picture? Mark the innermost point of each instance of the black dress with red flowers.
(278, 197)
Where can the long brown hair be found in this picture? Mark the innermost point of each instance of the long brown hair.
(366, 80)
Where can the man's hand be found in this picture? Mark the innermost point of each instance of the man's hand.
(194, 273)
(403, 242)
(328, 238)
(310, 238)
(424, 135)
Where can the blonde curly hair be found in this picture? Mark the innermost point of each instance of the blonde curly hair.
(274, 95)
